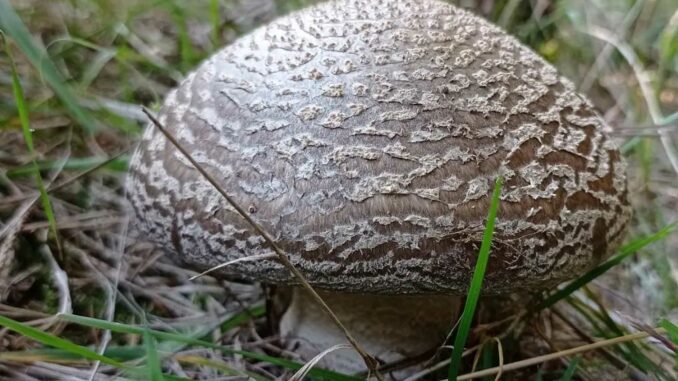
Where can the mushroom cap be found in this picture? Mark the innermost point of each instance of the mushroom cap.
(365, 136)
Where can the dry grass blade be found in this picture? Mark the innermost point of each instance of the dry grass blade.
(440, 365)
(370, 361)
(6, 259)
(60, 279)
(301, 373)
(244, 259)
(500, 351)
(553, 356)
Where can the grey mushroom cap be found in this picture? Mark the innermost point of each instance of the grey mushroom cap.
(366, 137)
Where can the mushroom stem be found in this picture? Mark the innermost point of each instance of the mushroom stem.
(389, 327)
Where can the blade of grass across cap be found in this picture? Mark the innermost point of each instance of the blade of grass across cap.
(22, 108)
(624, 253)
(11, 24)
(370, 362)
(571, 369)
(476, 285)
(188, 339)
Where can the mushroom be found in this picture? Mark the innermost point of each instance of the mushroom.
(365, 136)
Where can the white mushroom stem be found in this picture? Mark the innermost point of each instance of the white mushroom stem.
(391, 328)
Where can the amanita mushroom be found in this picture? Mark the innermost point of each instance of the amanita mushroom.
(365, 136)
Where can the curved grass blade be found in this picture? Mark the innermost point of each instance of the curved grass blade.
(476, 285)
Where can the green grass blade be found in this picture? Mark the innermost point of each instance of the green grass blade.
(672, 330)
(120, 353)
(476, 285)
(118, 164)
(221, 367)
(152, 358)
(12, 25)
(571, 369)
(243, 317)
(215, 20)
(624, 253)
(630, 351)
(73, 350)
(53, 341)
(129, 329)
(56, 355)
(22, 108)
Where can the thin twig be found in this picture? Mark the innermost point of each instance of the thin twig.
(370, 361)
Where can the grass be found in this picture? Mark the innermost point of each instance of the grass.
(12, 25)
(56, 342)
(571, 369)
(475, 287)
(69, 116)
(150, 350)
(624, 253)
(22, 109)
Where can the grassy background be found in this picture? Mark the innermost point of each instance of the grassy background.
(85, 67)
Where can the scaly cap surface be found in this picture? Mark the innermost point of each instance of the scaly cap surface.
(365, 136)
